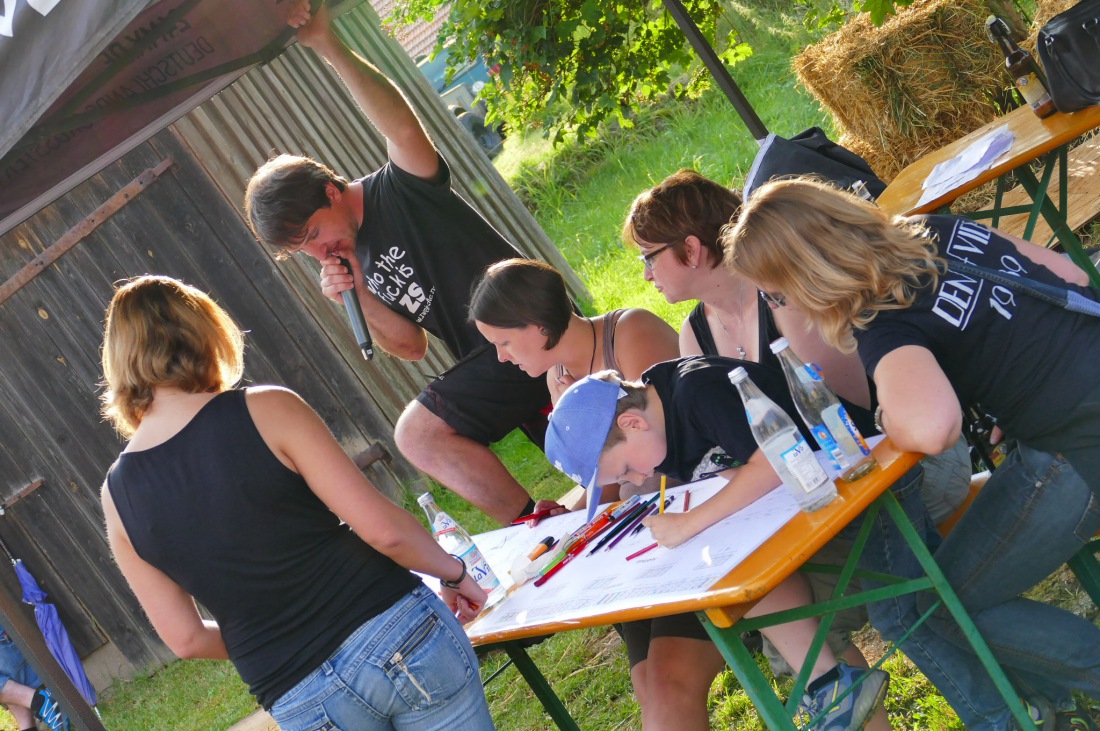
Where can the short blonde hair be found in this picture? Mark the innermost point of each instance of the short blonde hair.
(843, 259)
(162, 332)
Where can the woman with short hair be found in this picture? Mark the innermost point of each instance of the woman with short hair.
(241, 499)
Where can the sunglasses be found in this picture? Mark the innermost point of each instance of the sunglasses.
(647, 259)
(773, 298)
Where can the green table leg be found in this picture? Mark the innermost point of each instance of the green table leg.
(540, 687)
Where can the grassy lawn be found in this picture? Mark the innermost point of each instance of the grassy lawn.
(580, 194)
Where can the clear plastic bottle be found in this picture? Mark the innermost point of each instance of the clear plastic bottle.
(823, 413)
(783, 445)
(454, 539)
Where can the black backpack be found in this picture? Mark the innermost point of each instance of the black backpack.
(811, 153)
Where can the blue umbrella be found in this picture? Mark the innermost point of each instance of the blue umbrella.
(57, 638)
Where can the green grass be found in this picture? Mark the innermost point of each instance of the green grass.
(196, 694)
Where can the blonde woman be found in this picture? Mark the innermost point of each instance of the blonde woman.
(933, 339)
(241, 499)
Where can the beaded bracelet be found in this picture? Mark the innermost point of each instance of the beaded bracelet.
(454, 584)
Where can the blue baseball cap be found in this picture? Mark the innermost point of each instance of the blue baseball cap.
(578, 428)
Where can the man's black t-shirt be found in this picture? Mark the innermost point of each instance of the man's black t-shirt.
(706, 430)
(1025, 361)
(422, 247)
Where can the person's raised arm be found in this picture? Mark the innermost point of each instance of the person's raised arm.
(298, 437)
(171, 609)
(920, 411)
(383, 104)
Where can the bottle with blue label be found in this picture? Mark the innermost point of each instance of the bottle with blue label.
(782, 444)
(825, 416)
(454, 539)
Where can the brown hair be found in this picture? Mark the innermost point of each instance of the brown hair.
(281, 197)
(162, 332)
(843, 259)
(515, 293)
(683, 204)
(635, 398)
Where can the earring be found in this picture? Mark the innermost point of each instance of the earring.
(694, 266)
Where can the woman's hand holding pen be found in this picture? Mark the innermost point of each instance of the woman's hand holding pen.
(466, 601)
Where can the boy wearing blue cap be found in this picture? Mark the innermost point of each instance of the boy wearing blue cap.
(686, 420)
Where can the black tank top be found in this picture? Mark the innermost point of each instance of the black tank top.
(287, 582)
(766, 329)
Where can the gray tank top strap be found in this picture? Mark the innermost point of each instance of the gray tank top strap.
(610, 322)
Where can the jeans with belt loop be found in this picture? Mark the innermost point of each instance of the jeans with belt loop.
(411, 667)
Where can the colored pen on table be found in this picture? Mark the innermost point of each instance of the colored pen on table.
(638, 527)
(664, 483)
(687, 500)
(624, 524)
(557, 567)
(581, 537)
(648, 548)
(639, 524)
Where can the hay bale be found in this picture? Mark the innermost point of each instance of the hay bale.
(925, 77)
(1047, 9)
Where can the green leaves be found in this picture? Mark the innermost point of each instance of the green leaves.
(571, 64)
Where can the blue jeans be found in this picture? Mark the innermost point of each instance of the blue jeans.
(1033, 514)
(411, 667)
(13, 666)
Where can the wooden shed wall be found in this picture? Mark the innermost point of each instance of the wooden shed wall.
(188, 225)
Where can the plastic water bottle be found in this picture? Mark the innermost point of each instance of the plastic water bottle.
(789, 454)
(454, 539)
(823, 413)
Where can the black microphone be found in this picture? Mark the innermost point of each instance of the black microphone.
(355, 314)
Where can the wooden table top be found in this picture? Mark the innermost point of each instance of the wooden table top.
(780, 556)
(1034, 137)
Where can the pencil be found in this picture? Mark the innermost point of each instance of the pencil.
(650, 547)
(664, 483)
(687, 500)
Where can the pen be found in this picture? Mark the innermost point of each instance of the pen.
(541, 547)
(557, 567)
(625, 524)
(687, 500)
(638, 526)
(634, 555)
(664, 483)
(535, 516)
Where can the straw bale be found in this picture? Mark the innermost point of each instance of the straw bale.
(1047, 9)
(899, 91)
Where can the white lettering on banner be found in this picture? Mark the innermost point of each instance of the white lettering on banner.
(389, 279)
(8, 18)
(955, 298)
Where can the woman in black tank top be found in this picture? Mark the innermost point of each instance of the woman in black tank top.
(243, 500)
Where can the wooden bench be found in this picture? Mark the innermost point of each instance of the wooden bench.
(1082, 191)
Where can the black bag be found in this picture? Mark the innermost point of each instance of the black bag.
(811, 153)
(1069, 49)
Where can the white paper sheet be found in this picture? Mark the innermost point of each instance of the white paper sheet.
(978, 157)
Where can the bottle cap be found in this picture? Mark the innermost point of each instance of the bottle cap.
(738, 374)
(425, 499)
(779, 344)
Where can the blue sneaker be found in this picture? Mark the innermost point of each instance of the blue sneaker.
(48, 711)
(852, 712)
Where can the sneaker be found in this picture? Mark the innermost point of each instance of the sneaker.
(1074, 718)
(48, 711)
(854, 711)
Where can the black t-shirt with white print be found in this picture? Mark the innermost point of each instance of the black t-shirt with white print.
(706, 430)
(422, 248)
(1025, 361)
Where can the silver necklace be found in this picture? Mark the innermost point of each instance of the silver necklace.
(741, 352)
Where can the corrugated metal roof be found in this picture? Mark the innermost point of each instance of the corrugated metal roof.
(417, 39)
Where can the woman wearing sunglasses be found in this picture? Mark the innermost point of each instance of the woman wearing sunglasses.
(933, 339)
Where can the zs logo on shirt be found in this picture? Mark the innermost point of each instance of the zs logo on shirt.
(389, 280)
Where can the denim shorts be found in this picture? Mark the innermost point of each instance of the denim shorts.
(411, 667)
(13, 666)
